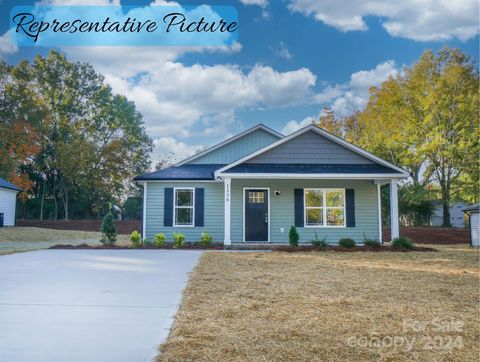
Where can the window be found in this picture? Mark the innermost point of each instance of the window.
(324, 207)
(255, 197)
(184, 207)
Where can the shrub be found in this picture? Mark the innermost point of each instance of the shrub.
(293, 236)
(109, 232)
(372, 243)
(206, 239)
(402, 243)
(159, 240)
(346, 243)
(178, 240)
(136, 238)
(319, 242)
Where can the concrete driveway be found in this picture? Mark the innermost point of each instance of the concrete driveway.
(89, 305)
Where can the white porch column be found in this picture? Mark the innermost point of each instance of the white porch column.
(394, 209)
(227, 181)
(144, 211)
(379, 205)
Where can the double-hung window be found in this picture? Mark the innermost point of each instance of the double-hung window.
(324, 207)
(184, 210)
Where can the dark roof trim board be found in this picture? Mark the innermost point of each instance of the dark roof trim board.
(184, 172)
(310, 169)
(230, 140)
(4, 184)
(399, 172)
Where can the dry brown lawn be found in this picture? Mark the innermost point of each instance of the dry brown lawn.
(33, 234)
(330, 306)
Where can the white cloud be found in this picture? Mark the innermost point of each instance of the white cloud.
(356, 93)
(166, 145)
(344, 99)
(421, 20)
(262, 3)
(282, 51)
(6, 45)
(293, 125)
(173, 97)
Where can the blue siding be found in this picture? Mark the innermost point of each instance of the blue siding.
(213, 211)
(237, 149)
(282, 212)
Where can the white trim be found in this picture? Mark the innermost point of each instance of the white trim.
(184, 207)
(324, 209)
(326, 135)
(230, 140)
(268, 219)
(343, 176)
(144, 211)
(227, 192)
(379, 203)
(394, 227)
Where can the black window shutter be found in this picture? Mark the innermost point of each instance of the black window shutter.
(299, 209)
(199, 206)
(168, 207)
(350, 207)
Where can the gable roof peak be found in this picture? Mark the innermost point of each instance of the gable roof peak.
(232, 139)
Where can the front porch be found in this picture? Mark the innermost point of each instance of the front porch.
(281, 213)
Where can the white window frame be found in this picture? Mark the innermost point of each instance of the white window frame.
(175, 207)
(324, 208)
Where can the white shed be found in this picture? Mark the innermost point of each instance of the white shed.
(473, 213)
(8, 201)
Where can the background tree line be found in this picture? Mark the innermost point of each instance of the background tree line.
(66, 139)
(426, 120)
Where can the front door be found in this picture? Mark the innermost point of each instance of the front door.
(256, 215)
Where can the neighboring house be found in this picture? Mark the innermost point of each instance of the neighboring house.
(253, 187)
(457, 217)
(473, 213)
(8, 201)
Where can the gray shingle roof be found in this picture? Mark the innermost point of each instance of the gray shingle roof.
(184, 172)
(309, 168)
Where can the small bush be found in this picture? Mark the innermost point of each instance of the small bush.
(402, 243)
(346, 243)
(319, 242)
(372, 243)
(136, 239)
(109, 232)
(178, 240)
(293, 236)
(206, 239)
(159, 240)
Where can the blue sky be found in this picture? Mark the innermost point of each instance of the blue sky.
(293, 58)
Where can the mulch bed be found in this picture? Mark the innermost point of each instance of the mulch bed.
(309, 248)
(432, 235)
(281, 248)
(186, 246)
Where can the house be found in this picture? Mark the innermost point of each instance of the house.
(457, 217)
(8, 201)
(254, 186)
(473, 213)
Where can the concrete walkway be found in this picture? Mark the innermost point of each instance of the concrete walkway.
(89, 305)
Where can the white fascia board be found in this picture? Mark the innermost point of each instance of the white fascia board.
(338, 176)
(324, 133)
(230, 140)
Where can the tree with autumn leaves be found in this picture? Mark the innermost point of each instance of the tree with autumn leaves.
(67, 136)
(426, 119)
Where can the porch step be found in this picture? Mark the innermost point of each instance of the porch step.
(252, 246)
